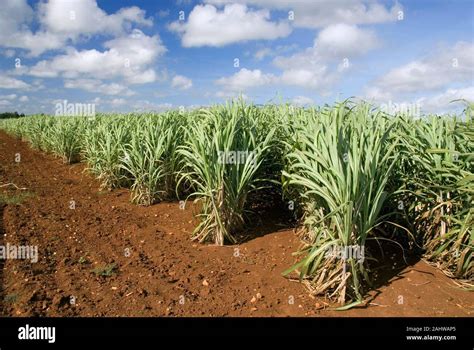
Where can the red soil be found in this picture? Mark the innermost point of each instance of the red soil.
(159, 270)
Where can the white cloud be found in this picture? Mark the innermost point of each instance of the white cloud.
(181, 82)
(94, 85)
(37, 84)
(127, 57)
(322, 13)
(144, 77)
(42, 69)
(436, 71)
(375, 94)
(8, 97)
(335, 42)
(207, 26)
(316, 78)
(302, 101)
(277, 50)
(118, 102)
(7, 82)
(9, 53)
(245, 79)
(83, 17)
(317, 67)
(60, 21)
(343, 40)
(262, 53)
(23, 99)
(313, 77)
(15, 17)
(440, 103)
(320, 66)
(145, 105)
(230, 95)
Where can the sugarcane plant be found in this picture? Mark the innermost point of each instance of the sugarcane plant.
(103, 149)
(149, 159)
(436, 173)
(339, 163)
(345, 167)
(222, 156)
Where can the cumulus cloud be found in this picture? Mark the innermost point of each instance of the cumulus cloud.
(302, 101)
(262, 53)
(441, 102)
(145, 105)
(432, 82)
(434, 72)
(317, 78)
(181, 82)
(316, 67)
(245, 79)
(73, 18)
(127, 57)
(6, 100)
(8, 97)
(94, 85)
(337, 41)
(230, 95)
(61, 21)
(273, 51)
(319, 66)
(343, 40)
(24, 98)
(7, 82)
(118, 102)
(322, 13)
(15, 17)
(208, 26)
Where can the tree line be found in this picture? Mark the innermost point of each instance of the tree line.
(8, 115)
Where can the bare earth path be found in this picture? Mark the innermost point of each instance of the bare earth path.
(156, 269)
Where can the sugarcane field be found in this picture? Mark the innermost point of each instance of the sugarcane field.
(237, 159)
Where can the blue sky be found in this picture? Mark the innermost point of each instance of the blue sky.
(140, 55)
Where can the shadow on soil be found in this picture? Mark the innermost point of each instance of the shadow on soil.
(391, 259)
(392, 254)
(269, 215)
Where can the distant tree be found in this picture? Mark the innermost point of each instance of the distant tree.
(8, 115)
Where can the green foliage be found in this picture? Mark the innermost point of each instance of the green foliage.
(346, 167)
(222, 161)
(339, 164)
